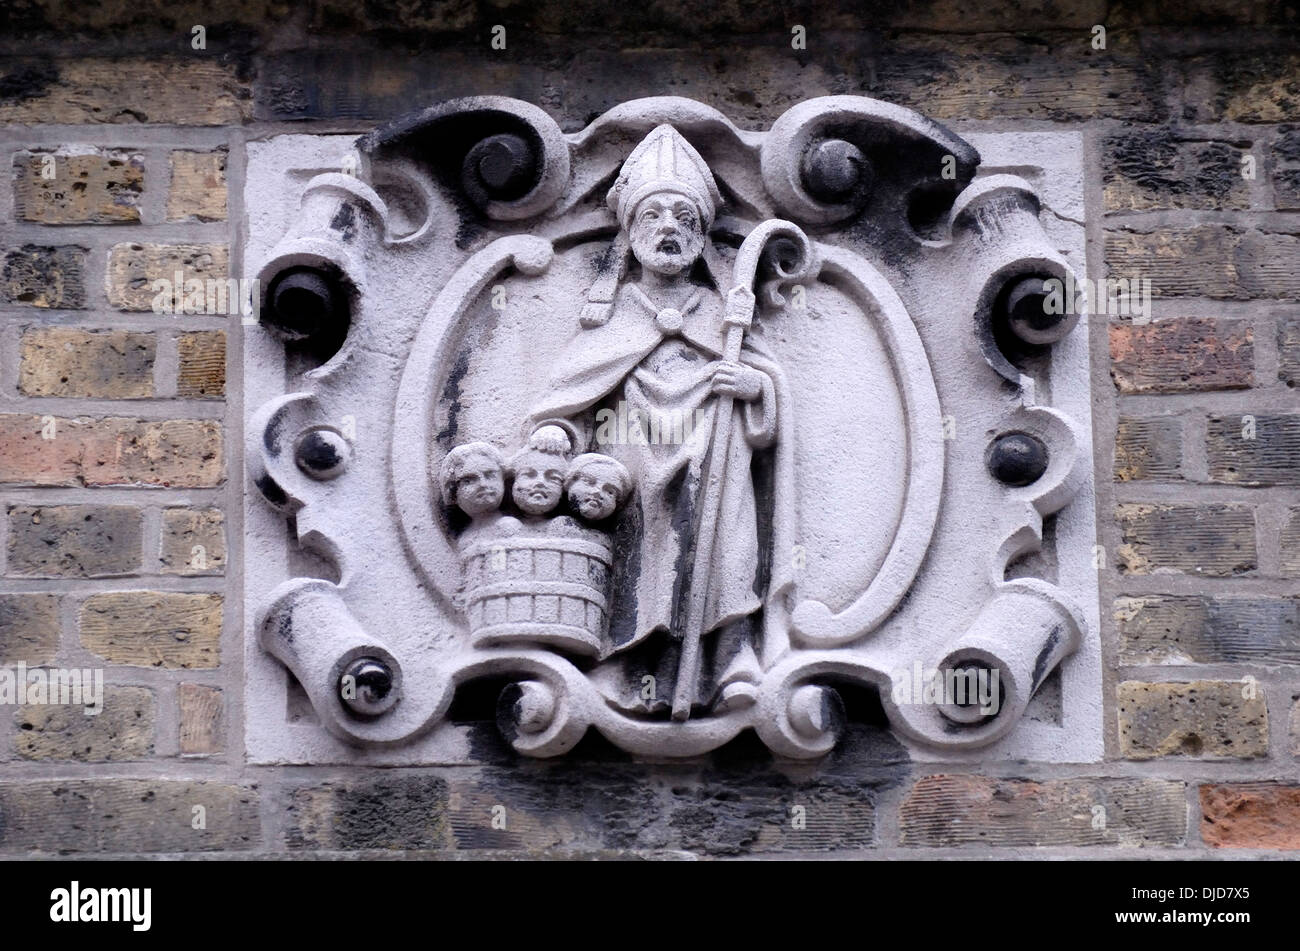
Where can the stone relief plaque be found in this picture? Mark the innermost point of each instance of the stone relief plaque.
(671, 429)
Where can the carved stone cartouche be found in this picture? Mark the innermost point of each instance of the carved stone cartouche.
(771, 417)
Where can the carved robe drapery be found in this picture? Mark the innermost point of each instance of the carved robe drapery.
(656, 373)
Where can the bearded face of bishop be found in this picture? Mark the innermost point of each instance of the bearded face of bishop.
(666, 233)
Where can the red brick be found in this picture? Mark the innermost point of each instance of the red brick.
(1250, 816)
(1181, 354)
(185, 453)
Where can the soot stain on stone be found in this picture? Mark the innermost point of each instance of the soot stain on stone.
(613, 801)
(762, 470)
(472, 223)
(28, 82)
(1040, 662)
(345, 222)
(271, 490)
(1154, 161)
(271, 435)
(727, 812)
(488, 745)
(405, 812)
(507, 711)
(623, 600)
(451, 394)
(605, 260)
(318, 455)
(681, 492)
(284, 629)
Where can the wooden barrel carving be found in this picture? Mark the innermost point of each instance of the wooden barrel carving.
(547, 589)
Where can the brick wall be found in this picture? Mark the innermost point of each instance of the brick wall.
(120, 469)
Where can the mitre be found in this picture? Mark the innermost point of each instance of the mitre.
(664, 162)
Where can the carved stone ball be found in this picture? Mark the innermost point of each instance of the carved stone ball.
(322, 454)
(833, 170)
(1017, 459)
(527, 706)
(503, 164)
(1027, 313)
(373, 691)
(816, 711)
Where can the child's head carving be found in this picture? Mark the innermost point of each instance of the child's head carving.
(538, 480)
(471, 478)
(597, 484)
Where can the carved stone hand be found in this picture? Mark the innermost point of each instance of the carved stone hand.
(737, 380)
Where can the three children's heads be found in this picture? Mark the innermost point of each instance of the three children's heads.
(473, 478)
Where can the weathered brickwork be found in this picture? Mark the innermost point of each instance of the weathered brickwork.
(73, 541)
(196, 91)
(122, 730)
(1290, 542)
(201, 719)
(133, 270)
(1286, 170)
(202, 373)
(1214, 540)
(1151, 170)
(1251, 816)
(49, 277)
(947, 810)
(96, 188)
(193, 541)
(591, 808)
(153, 629)
(1182, 354)
(198, 186)
(1205, 400)
(116, 816)
(109, 364)
(58, 451)
(1194, 629)
(1288, 350)
(1209, 719)
(29, 628)
(1220, 262)
(1254, 449)
(120, 418)
(1148, 448)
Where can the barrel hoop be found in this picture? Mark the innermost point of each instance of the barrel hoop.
(521, 587)
(558, 543)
